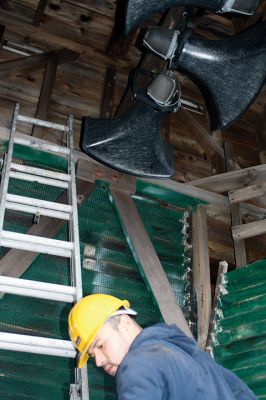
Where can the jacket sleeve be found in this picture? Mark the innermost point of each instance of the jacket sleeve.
(141, 376)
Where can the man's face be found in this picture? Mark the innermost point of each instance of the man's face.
(110, 346)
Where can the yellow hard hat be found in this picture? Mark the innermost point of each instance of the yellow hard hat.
(87, 317)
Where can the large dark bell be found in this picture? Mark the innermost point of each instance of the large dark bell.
(131, 143)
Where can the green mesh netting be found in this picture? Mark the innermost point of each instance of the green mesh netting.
(239, 337)
(108, 266)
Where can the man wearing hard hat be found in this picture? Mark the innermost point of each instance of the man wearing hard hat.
(159, 362)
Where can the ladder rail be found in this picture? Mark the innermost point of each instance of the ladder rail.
(38, 244)
(7, 167)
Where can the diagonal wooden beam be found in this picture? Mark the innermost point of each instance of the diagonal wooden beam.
(9, 68)
(147, 259)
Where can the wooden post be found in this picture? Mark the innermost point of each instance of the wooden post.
(45, 96)
(201, 273)
(39, 12)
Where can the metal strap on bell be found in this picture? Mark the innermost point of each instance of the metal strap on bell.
(137, 11)
(229, 72)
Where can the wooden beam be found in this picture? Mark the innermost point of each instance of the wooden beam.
(208, 143)
(201, 273)
(16, 262)
(9, 68)
(239, 245)
(147, 260)
(45, 96)
(232, 180)
(2, 31)
(108, 92)
(247, 193)
(236, 218)
(249, 230)
(39, 12)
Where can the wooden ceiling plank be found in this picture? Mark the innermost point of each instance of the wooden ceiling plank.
(8, 68)
(147, 259)
(201, 273)
(45, 96)
(39, 12)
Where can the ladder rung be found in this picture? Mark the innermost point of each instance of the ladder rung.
(39, 179)
(39, 122)
(37, 248)
(31, 201)
(32, 239)
(36, 243)
(42, 290)
(37, 345)
(33, 142)
(40, 172)
(37, 210)
(39, 203)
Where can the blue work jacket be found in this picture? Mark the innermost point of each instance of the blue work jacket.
(165, 364)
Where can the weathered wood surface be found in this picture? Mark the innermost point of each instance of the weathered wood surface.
(86, 27)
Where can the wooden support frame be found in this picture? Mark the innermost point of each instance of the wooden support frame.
(147, 259)
(201, 273)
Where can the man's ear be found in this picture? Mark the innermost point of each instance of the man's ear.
(125, 322)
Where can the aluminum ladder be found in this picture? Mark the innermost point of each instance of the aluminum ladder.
(70, 249)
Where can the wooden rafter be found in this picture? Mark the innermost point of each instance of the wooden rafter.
(9, 68)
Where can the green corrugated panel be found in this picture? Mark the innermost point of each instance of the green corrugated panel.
(108, 267)
(240, 331)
